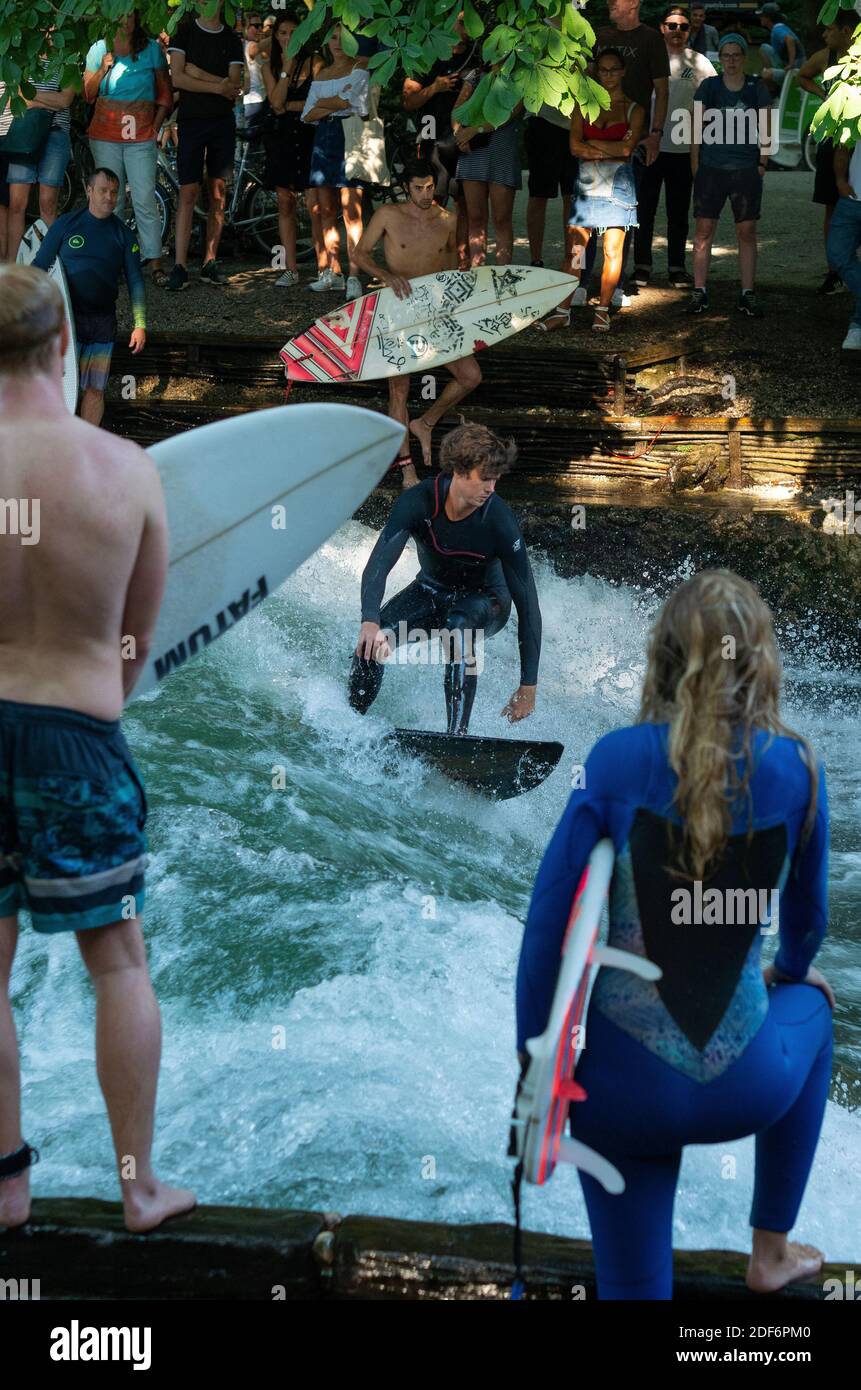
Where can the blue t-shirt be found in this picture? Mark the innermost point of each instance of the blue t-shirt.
(733, 132)
(701, 1015)
(95, 252)
(777, 39)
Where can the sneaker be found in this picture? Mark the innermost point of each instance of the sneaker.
(580, 297)
(211, 274)
(852, 341)
(642, 275)
(620, 299)
(832, 284)
(327, 280)
(178, 279)
(747, 305)
(681, 280)
(287, 280)
(699, 302)
(631, 288)
(354, 287)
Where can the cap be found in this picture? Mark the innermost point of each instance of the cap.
(770, 9)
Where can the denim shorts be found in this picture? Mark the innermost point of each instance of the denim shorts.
(51, 167)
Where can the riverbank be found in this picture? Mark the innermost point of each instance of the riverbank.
(78, 1248)
(786, 364)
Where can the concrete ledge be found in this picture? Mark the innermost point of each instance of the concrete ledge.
(78, 1248)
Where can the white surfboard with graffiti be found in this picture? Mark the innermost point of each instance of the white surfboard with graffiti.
(448, 316)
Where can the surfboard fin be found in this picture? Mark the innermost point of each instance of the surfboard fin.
(625, 960)
(598, 1167)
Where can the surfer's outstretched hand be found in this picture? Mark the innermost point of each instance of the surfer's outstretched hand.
(521, 704)
(372, 644)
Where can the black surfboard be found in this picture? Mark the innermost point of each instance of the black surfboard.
(498, 767)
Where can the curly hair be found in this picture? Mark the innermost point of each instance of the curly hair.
(475, 446)
(713, 673)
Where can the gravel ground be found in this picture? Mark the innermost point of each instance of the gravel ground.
(788, 363)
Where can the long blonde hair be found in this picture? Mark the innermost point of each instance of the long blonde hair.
(713, 674)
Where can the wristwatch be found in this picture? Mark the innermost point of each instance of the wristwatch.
(657, 130)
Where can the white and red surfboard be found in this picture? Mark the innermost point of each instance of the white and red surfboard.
(448, 316)
(548, 1089)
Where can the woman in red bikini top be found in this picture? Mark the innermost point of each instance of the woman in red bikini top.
(605, 198)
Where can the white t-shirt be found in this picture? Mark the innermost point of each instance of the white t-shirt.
(687, 70)
(352, 87)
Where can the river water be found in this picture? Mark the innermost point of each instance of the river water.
(335, 959)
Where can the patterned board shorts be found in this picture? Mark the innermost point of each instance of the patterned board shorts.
(72, 816)
(94, 365)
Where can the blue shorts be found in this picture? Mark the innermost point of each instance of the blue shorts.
(51, 167)
(72, 816)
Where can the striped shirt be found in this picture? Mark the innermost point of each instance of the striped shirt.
(6, 113)
(62, 119)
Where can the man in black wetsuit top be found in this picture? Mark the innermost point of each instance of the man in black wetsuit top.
(473, 565)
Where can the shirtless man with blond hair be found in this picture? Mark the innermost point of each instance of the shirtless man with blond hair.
(83, 563)
(419, 238)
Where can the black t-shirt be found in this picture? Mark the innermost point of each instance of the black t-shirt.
(213, 51)
(440, 106)
(645, 55)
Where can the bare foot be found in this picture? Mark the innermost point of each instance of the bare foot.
(409, 476)
(422, 432)
(15, 1201)
(147, 1207)
(771, 1269)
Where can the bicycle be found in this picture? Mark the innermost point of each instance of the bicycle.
(251, 210)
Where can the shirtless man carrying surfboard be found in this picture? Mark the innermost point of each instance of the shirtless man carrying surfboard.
(83, 561)
(419, 238)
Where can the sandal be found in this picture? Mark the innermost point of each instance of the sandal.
(601, 322)
(159, 278)
(564, 321)
(402, 461)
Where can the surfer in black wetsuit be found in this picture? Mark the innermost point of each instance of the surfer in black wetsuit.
(473, 565)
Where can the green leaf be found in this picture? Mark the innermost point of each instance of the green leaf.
(501, 101)
(556, 47)
(385, 73)
(553, 81)
(377, 59)
(471, 22)
(348, 42)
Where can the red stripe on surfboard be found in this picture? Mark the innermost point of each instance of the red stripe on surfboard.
(566, 1091)
(338, 351)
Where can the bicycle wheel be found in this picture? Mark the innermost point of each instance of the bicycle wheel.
(260, 212)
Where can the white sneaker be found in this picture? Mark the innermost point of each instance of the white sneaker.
(581, 297)
(620, 300)
(326, 280)
(853, 337)
(288, 279)
(354, 287)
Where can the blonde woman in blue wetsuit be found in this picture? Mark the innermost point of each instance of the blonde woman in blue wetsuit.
(710, 789)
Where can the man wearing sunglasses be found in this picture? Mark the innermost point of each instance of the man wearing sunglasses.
(672, 168)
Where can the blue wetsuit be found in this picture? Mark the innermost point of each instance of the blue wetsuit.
(706, 1054)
